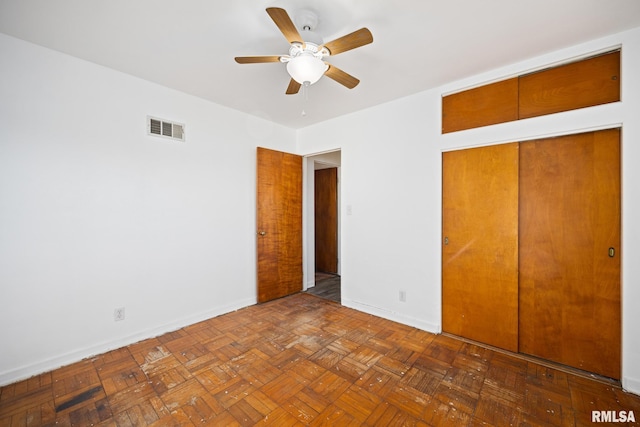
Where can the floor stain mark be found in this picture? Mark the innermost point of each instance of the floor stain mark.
(85, 395)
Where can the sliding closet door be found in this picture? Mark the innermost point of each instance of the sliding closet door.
(569, 250)
(480, 244)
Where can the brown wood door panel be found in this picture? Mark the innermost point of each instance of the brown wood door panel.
(279, 217)
(579, 84)
(481, 106)
(326, 220)
(480, 252)
(569, 218)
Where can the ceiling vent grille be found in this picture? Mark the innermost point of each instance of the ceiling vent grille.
(165, 128)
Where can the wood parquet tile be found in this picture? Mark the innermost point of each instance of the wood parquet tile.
(307, 361)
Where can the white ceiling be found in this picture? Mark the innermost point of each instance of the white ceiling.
(190, 45)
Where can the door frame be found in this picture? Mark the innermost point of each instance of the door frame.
(308, 213)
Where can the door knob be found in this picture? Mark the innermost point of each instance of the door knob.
(262, 233)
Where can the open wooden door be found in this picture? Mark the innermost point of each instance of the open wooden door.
(569, 250)
(326, 220)
(279, 224)
(480, 247)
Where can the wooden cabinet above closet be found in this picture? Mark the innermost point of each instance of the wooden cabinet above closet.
(584, 83)
(482, 106)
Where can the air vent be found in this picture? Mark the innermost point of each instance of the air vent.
(165, 128)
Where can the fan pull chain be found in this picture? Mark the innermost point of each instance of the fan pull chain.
(305, 97)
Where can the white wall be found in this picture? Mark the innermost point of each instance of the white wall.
(95, 214)
(391, 178)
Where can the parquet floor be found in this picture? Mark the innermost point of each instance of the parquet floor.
(303, 360)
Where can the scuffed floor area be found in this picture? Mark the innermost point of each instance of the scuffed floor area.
(303, 360)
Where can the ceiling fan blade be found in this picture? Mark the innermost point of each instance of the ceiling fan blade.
(256, 59)
(353, 40)
(293, 88)
(285, 24)
(341, 77)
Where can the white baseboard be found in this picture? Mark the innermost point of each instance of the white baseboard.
(394, 316)
(631, 385)
(78, 355)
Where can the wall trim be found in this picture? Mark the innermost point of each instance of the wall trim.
(631, 385)
(392, 315)
(28, 371)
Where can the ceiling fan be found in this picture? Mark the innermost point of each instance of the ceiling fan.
(305, 61)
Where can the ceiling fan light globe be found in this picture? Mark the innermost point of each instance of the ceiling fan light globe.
(306, 69)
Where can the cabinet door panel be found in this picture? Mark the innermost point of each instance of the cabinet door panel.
(579, 84)
(480, 247)
(481, 106)
(569, 218)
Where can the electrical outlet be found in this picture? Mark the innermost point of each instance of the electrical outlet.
(403, 296)
(118, 314)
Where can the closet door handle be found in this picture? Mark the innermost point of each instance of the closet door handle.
(612, 252)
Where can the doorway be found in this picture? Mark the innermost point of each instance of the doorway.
(322, 207)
